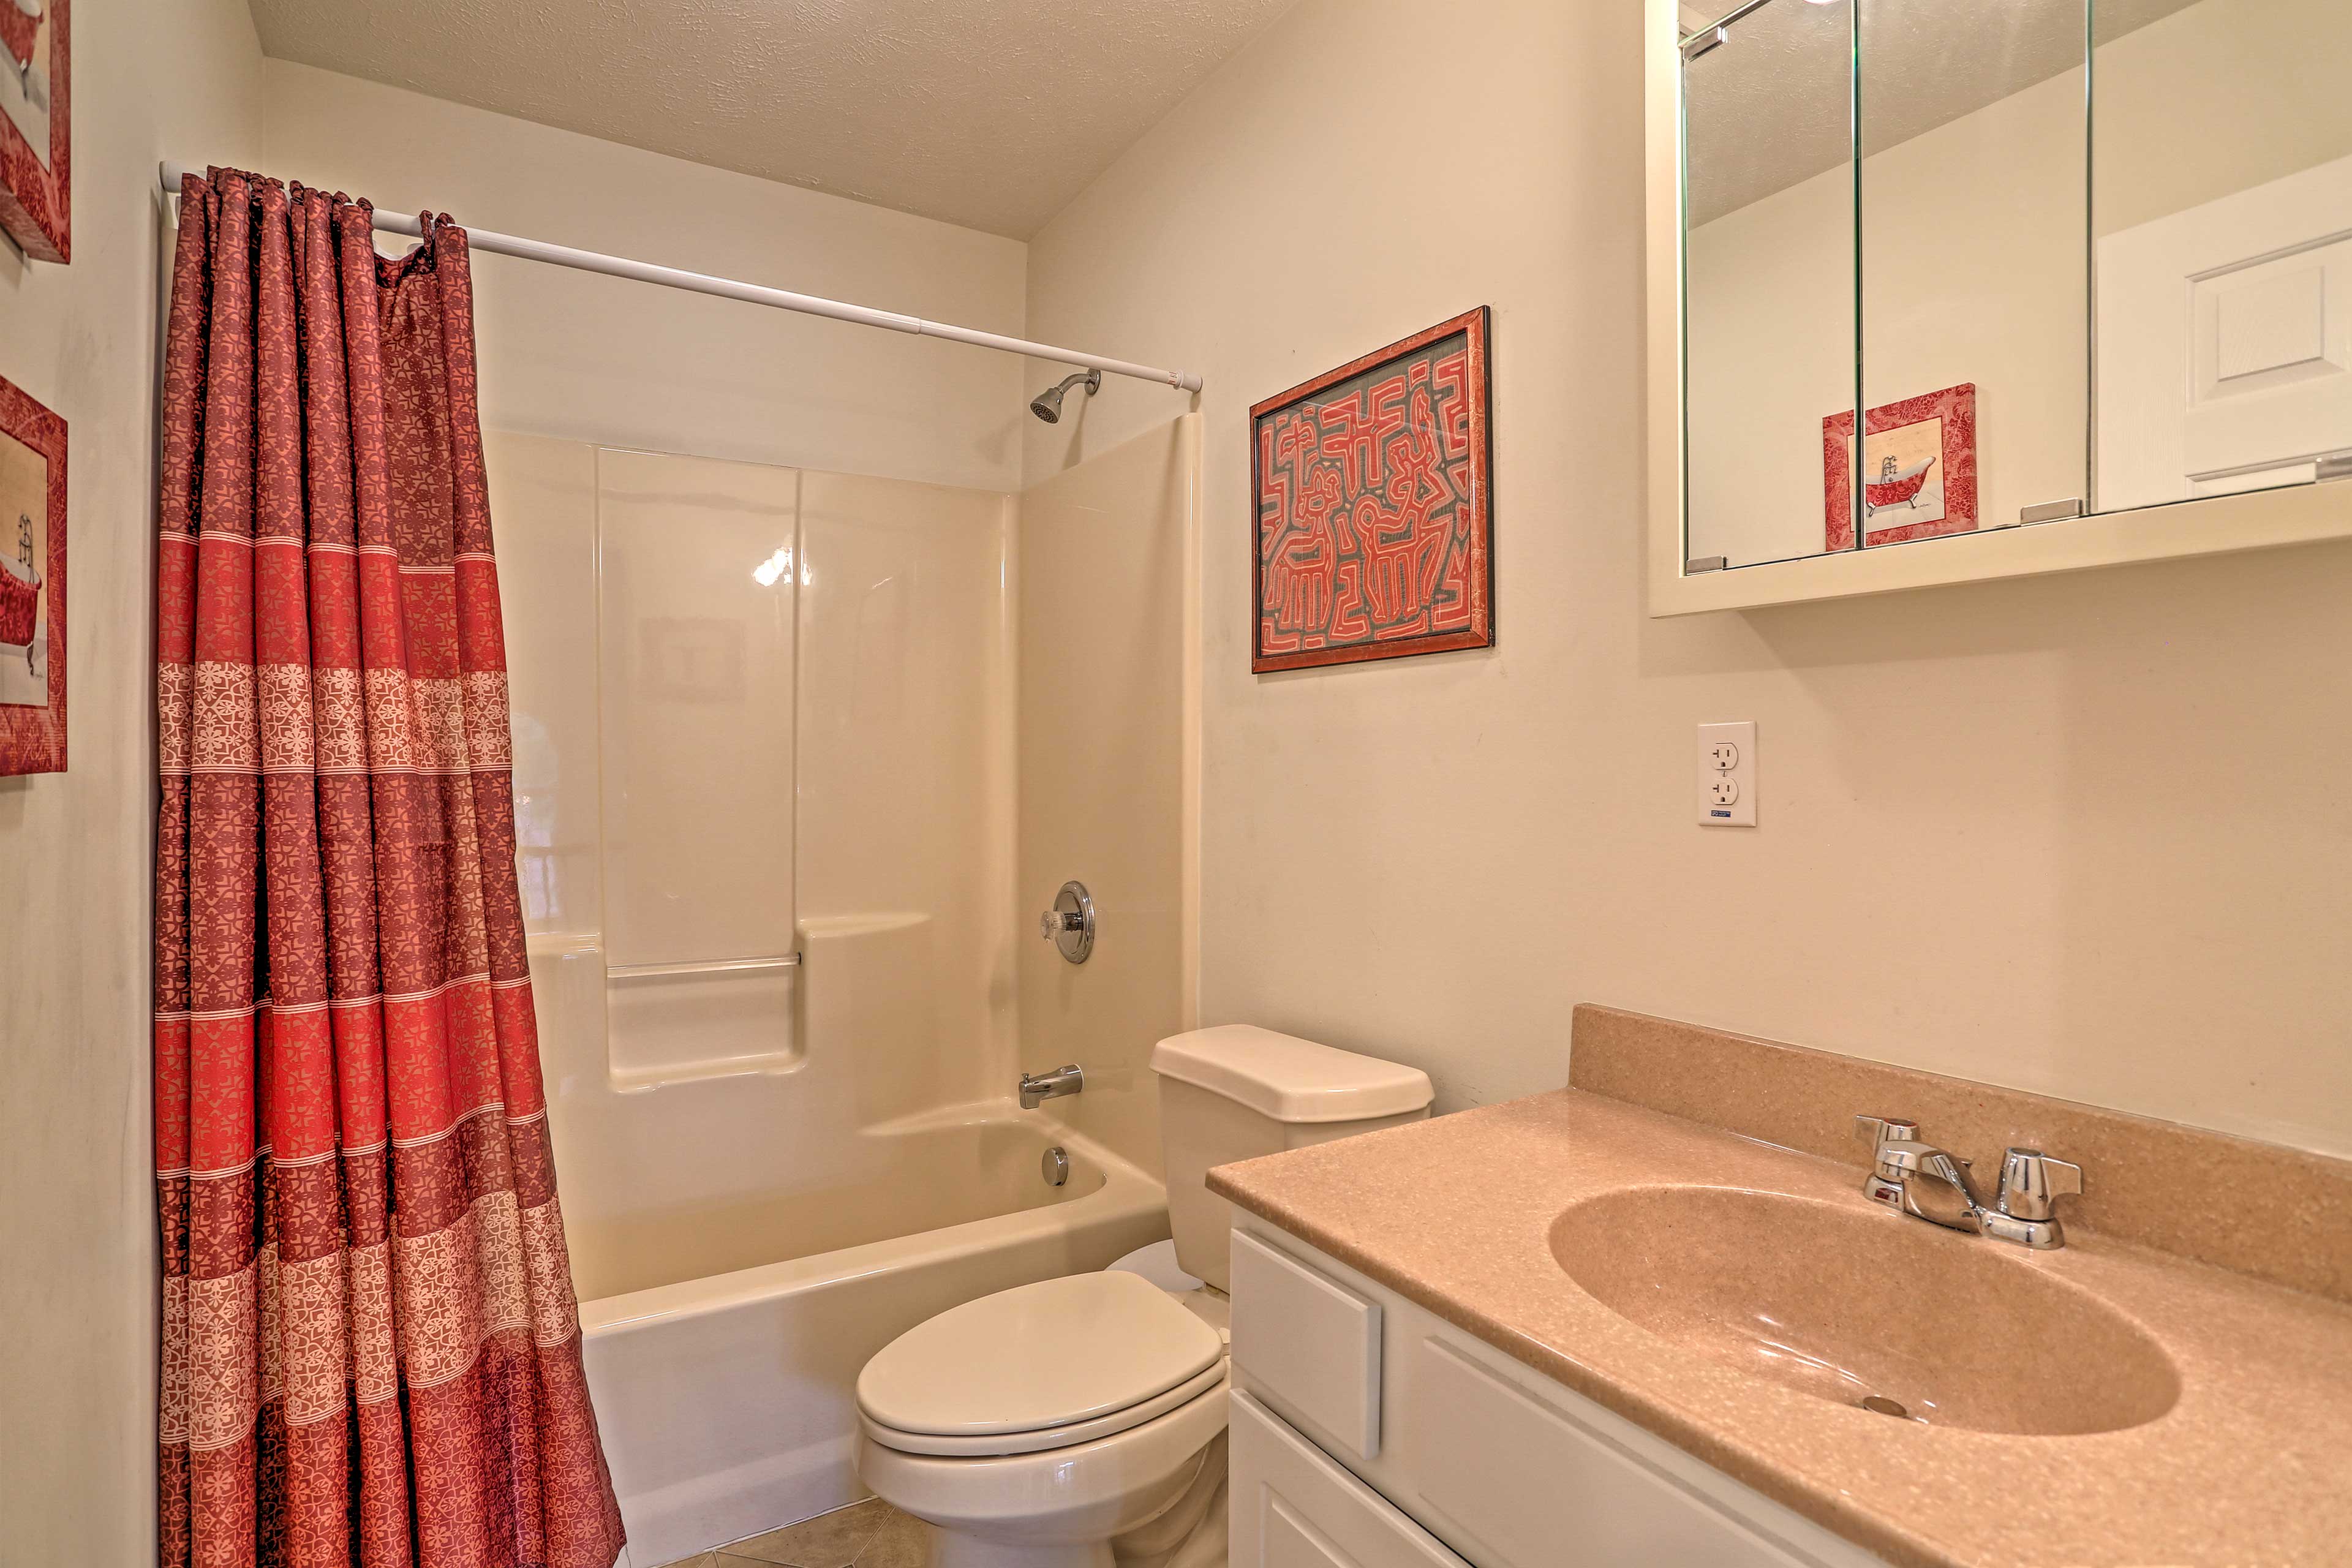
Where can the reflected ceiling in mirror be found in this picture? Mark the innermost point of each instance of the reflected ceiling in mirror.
(1767, 125)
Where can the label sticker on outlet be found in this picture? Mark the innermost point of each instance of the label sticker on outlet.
(1727, 775)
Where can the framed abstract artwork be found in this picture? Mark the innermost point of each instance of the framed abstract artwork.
(36, 165)
(1920, 462)
(1374, 506)
(32, 586)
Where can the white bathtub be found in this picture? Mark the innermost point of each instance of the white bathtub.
(723, 1346)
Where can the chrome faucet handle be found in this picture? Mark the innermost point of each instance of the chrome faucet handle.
(1877, 1130)
(1917, 1178)
(2032, 1182)
(1911, 1155)
(1895, 1143)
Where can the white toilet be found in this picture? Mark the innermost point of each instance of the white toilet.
(1080, 1422)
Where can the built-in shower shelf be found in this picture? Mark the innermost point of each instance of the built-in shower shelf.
(677, 1023)
(705, 966)
(657, 1025)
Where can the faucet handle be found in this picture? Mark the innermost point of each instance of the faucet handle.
(1877, 1131)
(2032, 1182)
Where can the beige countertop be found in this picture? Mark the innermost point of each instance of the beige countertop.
(2251, 1467)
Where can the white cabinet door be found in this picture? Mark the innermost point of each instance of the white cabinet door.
(2225, 343)
(1293, 1507)
(1312, 1345)
(1512, 1480)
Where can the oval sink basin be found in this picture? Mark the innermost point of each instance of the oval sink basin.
(1865, 1307)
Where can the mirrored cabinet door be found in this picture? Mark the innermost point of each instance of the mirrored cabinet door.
(1769, 279)
(1974, 133)
(1958, 289)
(2222, 245)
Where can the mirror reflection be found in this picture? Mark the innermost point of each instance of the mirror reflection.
(2065, 256)
(1769, 278)
(1975, 299)
(2222, 169)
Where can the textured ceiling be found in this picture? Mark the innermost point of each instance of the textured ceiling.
(1770, 108)
(989, 113)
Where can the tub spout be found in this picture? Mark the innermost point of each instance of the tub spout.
(1036, 1088)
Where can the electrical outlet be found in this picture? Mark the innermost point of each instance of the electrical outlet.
(1727, 775)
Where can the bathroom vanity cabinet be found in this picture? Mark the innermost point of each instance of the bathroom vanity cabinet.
(1368, 1433)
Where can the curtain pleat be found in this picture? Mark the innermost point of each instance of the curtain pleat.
(371, 1346)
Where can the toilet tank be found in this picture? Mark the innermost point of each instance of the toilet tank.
(1236, 1092)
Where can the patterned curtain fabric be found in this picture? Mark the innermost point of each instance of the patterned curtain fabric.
(371, 1346)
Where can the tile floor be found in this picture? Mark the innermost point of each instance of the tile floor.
(869, 1534)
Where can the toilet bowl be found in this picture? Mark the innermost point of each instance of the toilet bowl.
(1036, 1426)
(1080, 1422)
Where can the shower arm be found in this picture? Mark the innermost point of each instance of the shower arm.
(753, 293)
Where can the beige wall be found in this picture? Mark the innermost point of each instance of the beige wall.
(77, 1155)
(2056, 833)
(597, 359)
(1108, 559)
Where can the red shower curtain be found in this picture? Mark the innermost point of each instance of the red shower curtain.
(371, 1346)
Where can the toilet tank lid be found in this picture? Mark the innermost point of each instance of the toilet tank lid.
(1288, 1078)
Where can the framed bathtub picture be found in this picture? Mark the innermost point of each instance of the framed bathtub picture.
(1375, 506)
(1919, 457)
(32, 586)
(36, 165)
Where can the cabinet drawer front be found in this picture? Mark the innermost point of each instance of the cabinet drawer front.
(1309, 1345)
(1293, 1508)
(1503, 1474)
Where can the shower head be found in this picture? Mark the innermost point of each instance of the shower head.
(1047, 406)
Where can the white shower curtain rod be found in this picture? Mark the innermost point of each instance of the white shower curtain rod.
(781, 298)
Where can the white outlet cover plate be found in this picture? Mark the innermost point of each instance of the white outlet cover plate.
(1741, 811)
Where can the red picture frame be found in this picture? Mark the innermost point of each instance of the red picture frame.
(1373, 506)
(1925, 448)
(32, 737)
(35, 96)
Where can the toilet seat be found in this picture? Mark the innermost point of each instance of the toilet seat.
(1000, 1444)
(1046, 1366)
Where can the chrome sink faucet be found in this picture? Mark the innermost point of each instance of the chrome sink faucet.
(1037, 1087)
(1929, 1184)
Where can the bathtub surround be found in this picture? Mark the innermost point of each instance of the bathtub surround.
(2052, 835)
(1109, 748)
(370, 1343)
